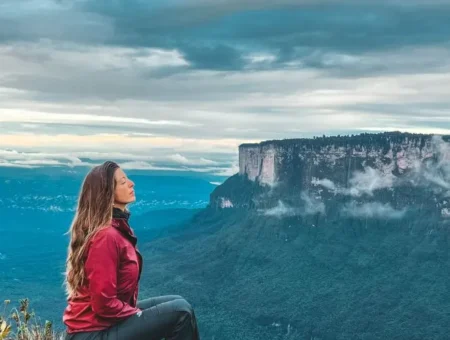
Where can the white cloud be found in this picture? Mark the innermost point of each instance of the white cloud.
(12, 165)
(120, 143)
(281, 210)
(361, 183)
(312, 206)
(325, 182)
(17, 115)
(373, 210)
(309, 206)
(177, 158)
(145, 166)
(227, 172)
(96, 58)
(39, 162)
(14, 158)
(258, 58)
(368, 181)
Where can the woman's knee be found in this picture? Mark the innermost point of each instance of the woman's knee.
(182, 305)
(176, 297)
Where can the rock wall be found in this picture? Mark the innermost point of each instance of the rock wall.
(303, 160)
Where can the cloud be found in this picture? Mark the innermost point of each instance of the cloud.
(312, 206)
(367, 181)
(373, 210)
(185, 161)
(8, 115)
(217, 35)
(281, 210)
(361, 183)
(325, 182)
(221, 36)
(14, 158)
(227, 172)
(13, 165)
(309, 206)
(136, 165)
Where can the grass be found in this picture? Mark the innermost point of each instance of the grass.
(21, 324)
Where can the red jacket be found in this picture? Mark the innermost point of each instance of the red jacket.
(113, 267)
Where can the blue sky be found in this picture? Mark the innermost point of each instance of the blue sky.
(180, 84)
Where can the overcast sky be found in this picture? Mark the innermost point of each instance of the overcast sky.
(181, 83)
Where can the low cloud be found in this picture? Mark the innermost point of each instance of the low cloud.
(139, 165)
(311, 206)
(372, 210)
(367, 181)
(177, 158)
(325, 182)
(281, 210)
(361, 183)
(14, 158)
(227, 172)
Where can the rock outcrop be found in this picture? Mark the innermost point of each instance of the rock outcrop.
(394, 168)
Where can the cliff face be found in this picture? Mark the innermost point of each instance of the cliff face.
(363, 167)
(271, 162)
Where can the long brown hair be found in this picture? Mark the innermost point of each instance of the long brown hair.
(94, 213)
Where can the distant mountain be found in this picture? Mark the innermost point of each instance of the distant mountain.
(328, 238)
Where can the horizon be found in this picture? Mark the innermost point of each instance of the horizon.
(213, 178)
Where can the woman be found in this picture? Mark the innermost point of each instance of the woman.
(104, 268)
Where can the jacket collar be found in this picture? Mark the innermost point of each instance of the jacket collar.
(120, 222)
(118, 213)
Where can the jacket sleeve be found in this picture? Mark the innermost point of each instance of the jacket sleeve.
(101, 267)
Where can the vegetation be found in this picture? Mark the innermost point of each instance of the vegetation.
(21, 324)
(368, 140)
(250, 276)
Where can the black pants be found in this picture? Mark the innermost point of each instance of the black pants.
(168, 317)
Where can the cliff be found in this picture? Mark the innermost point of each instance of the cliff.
(394, 168)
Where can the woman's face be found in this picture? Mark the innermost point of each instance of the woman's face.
(124, 193)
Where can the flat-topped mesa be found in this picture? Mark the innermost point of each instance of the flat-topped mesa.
(301, 160)
(394, 169)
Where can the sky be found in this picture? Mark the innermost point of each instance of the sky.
(180, 84)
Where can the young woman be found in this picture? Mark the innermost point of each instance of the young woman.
(104, 268)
